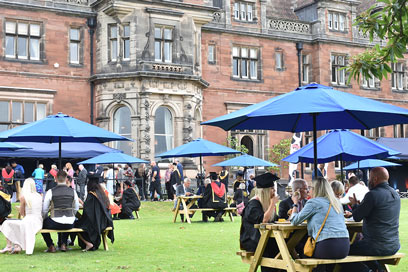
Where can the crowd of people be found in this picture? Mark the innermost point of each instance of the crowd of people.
(326, 206)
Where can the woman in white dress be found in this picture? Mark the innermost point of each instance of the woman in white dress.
(20, 234)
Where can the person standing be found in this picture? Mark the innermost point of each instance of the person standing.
(155, 186)
(7, 175)
(224, 174)
(140, 176)
(70, 171)
(380, 211)
(81, 181)
(38, 175)
(167, 183)
(52, 177)
(62, 203)
(176, 177)
(239, 180)
(20, 234)
(110, 177)
(180, 169)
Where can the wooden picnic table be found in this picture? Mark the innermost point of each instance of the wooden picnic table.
(287, 258)
(186, 208)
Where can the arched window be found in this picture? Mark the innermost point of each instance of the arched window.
(122, 126)
(247, 141)
(163, 130)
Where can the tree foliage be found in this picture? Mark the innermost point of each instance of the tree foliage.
(279, 151)
(387, 21)
(234, 144)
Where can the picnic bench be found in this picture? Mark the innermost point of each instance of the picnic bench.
(104, 234)
(186, 208)
(287, 258)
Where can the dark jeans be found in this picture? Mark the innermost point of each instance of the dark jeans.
(48, 223)
(81, 191)
(155, 186)
(364, 248)
(169, 189)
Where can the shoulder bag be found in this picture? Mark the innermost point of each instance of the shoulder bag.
(310, 245)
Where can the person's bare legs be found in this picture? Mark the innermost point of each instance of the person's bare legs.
(88, 245)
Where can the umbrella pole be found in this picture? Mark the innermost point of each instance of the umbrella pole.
(314, 144)
(201, 179)
(341, 168)
(59, 154)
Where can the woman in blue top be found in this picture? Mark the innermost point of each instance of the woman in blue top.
(333, 241)
(38, 175)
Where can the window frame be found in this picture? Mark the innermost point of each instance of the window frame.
(29, 36)
(337, 21)
(305, 67)
(245, 62)
(279, 55)
(163, 41)
(398, 77)
(10, 123)
(212, 54)
(125, 38)
(243, 13)
(335, 68)
(112, 40)
(78, 44)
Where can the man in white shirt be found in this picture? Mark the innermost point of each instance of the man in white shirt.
(64, 204)
(356, 189)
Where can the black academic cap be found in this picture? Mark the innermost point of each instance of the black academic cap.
(265, 180)
(240, 173)
(213, 175)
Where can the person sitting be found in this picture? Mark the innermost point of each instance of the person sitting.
(184, 190)
(338, 190)
(285, 206)
(130, 201)
(5, 206)
(260, 209)
(380, 211)
(241, 195)
(239, 180)
(20, 234)
(333, 241)
(95, 217)
(113, 207)
(356, 188)
(7, 175)
(62, 202)
(215, 197)
(200, 192)
(52, 177)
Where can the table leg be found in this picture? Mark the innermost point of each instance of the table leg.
(186, 210)
(283, 248)
(177, 210)
(265, 234)
(294, 241)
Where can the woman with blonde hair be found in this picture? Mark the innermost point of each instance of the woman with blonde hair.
(333, 241)
(70, 171)
(20, 234)
(260, 209)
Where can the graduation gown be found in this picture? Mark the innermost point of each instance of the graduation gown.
(5, 208)
(130, 201)
(94, 220)
(213, 200)
(249, 235)
(237, 183)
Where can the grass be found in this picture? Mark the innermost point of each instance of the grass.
(155, 243)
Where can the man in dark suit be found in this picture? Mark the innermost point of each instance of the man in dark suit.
(299, 186)
(184, 190)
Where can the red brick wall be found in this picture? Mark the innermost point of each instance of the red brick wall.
(71, 83)
(222, 88)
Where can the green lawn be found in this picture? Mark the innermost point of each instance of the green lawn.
(155, 243)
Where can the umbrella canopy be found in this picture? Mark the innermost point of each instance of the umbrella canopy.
(60, 128)
(399, 144)
(197, 148)
(110, 158)
(246, 161)
(370, 163)
(342, 145)
(68, 150)
(5, 146)
(310, 108)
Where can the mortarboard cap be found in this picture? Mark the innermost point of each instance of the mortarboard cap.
(266, 180)
(240, 173)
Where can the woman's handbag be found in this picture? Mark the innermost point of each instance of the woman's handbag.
(310, 245)
(240, 207)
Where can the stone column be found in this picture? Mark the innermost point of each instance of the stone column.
(145, 140)
(262, 17)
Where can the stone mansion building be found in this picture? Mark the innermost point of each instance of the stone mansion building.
(153, 70)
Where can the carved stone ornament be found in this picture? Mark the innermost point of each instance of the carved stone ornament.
(146, 104)
(119, 96)
(188, 106)
(166, 98)
(147, 150)
(147, 117)
(147, 139)
(147, 129)
(288, 26)
(216, 17)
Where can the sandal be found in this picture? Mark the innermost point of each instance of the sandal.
(6, 249)
(16, 249)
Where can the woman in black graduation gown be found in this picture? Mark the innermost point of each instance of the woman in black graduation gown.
(130, 201)
(96, 216)
(260, 209)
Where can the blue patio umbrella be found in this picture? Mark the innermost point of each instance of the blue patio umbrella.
(370, 163)
(343, 145)
(112, 158)
(60, 128)
(310, 108)
(198, 148)
(11, 147)
(246, 161)
(68, 150)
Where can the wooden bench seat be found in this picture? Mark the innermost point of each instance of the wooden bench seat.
(104, 234)
(310, 263)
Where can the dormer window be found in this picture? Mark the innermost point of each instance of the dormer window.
(336, 21)
(244, 11)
